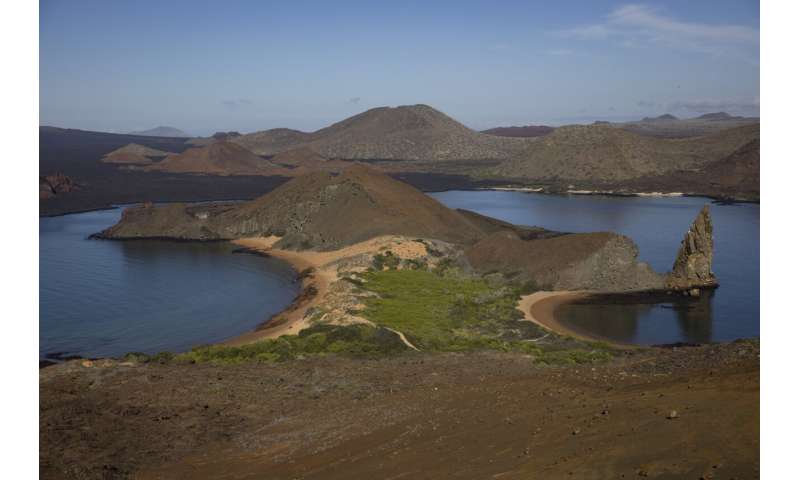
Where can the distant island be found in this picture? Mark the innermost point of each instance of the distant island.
(162, 132)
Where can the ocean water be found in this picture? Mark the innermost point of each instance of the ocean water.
(657, 225)
(105, 298)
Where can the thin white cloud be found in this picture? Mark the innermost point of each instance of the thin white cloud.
(640, 25)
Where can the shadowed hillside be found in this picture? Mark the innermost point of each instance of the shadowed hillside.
(601, 153)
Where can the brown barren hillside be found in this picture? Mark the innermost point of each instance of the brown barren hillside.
(315, 211)
(304, 160)
(735, 177)
(601, 153)
(299, 157)
(409, 132)
(218, 158)
(270, 142)
(134, 154)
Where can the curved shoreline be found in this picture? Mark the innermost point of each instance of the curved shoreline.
(289, 320)
(318, 271)
(540, 308)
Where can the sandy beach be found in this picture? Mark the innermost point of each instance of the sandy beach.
(540, 308)
(322, 268)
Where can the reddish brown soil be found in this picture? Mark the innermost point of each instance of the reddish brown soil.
(218, 158)
(412, 416)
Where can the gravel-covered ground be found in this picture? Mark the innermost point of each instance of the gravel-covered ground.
(690, 412)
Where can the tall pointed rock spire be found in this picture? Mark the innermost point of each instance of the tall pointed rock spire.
(692, 267)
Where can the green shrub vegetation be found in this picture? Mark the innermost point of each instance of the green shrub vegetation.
(355, 340)
(446, 310)
(441, 311)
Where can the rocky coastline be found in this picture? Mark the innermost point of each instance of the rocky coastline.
(296, 223)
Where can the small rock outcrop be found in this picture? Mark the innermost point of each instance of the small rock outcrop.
(56, 184)
(692, 267)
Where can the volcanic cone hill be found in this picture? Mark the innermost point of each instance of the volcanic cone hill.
(605, 154)
(134, 154)
(218, 158)
(409, 132)
(321, 211)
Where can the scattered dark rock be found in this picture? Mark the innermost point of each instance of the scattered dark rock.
(55, 184)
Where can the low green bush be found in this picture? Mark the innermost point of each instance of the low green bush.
(358, 340)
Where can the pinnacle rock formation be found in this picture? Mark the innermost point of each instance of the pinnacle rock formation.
(692, 267)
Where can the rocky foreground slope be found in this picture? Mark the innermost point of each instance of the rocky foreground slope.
(323, 212)
(682, 413)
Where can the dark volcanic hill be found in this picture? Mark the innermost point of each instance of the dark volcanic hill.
(527, 131)
(162, 132)
(716, 116)
(661, 118)
(410, 132)
(218, 158)
(602, 154)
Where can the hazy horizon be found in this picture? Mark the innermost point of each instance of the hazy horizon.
(252, 66)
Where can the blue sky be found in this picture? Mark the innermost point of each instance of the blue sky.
(238, 65)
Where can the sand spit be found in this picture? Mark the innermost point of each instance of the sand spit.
(319, 272)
